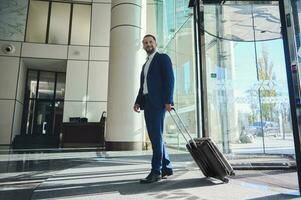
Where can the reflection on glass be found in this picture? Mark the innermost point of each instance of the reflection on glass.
(30, 117)
(80, 33)
(183, 12)
(43, 118)
(43, 114)
(169, 20)
(58, 117)
(60, 86)
(59, 23)
(177, 42)
(182, 53)
(237, 21)
(246, 87)
(37, 21)
(46, 85)
(32, 81)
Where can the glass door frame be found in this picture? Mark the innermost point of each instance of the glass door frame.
(292, 78)
(37, 100)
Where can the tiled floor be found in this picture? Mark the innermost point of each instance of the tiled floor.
(115, 175)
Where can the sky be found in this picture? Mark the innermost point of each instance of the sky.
(245, 62)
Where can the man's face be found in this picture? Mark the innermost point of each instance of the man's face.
(149, 45)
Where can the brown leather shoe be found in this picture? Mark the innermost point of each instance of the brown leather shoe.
(151, 178)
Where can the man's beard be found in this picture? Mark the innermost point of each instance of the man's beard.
(150, 51)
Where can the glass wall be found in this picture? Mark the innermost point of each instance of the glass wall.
(247, 92)
(176, 38)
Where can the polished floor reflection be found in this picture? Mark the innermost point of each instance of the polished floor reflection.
(115, 175)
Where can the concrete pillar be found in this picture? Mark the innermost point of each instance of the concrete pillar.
(124, 126)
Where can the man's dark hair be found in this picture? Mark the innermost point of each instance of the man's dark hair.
(149, 35)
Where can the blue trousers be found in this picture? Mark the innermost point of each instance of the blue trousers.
(154, 119)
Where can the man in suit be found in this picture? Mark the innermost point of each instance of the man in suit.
(155, 97)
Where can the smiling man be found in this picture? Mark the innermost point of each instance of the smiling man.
(155, 97)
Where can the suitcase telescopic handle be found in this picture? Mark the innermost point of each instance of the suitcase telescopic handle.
(183, 125)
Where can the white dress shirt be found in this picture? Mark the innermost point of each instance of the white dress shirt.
(146, 67)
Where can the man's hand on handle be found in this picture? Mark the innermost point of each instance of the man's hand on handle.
(168, 107)
(137, 108)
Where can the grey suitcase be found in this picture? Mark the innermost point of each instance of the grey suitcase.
(206, 154)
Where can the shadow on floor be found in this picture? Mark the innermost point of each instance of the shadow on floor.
(21, 193)
(124, 187)
(277, 197)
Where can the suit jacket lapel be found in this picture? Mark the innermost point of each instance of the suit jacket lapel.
(152, 62)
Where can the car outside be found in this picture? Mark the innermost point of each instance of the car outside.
(268, 128)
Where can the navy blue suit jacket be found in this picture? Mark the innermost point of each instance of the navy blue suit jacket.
(160, 82)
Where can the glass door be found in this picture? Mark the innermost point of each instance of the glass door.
(43, 104)
(249, 55)
(291, 12)
(245, 87)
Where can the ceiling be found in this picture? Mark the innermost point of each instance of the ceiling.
(45, 64)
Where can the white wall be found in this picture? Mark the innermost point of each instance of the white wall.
(9, 66)
(44, 51)
(76, 89)
(8, 77)
(78, 52)
(97, 90)
(101, 24)
(16, 129)
(87, 77)
(74, 109)
(21, 83)
(99, 59)
(98, 81)
(76, 80)
(6, 118)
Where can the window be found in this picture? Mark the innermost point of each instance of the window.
(58, 22)
(176, 29)
(81, 24)
(37, 21)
